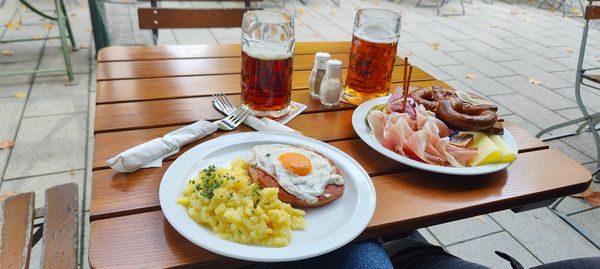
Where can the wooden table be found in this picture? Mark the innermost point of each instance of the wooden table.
(146, 92)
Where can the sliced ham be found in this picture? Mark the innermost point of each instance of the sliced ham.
(377, 121)
(421, 143)
(462, 155)
(396, 135)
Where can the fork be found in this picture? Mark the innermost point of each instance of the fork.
(222, 103)
(234, 119)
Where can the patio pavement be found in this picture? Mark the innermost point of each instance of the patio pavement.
(494, 50)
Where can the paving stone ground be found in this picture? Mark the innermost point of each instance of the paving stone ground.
(495, 49)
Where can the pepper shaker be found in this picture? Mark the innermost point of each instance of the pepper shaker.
(317, 74)
(331, 87)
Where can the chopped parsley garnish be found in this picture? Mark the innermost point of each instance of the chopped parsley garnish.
(210, 182)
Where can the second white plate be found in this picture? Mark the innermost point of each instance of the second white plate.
(359, 122)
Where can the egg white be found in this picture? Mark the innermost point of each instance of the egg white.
(307, 188)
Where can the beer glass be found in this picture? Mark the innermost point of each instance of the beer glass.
(372, 54)
(267, 57)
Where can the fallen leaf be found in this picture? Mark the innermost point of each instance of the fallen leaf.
(480, 218)
(470, 76)
(514, 12)
(582, 194)
(72, 171)
(6, 144)
(300, 11)
(6, 195)
(552, 9)
(47, 26)
(20, 94)
(8, 52)
(593, 198)
(84, 46)
(333, 12)
(73, 14)
(493, 25)
(13, 25)
(534, 81)
(435, 45)
(407, 53)
(37, 36)
(569, 50)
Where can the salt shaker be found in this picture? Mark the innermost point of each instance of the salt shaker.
(331, 86)
(317, 74)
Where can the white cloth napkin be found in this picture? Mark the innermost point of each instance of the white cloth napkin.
(153, 152)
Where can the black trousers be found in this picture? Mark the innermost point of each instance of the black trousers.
(416, 253)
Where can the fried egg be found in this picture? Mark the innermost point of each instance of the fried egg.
(300, 171)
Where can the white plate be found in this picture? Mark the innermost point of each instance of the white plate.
(327, 228)
(359, 122)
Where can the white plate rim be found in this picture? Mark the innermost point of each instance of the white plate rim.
(366, 199)
(361, 127)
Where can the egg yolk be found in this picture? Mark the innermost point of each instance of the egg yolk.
(296, 163)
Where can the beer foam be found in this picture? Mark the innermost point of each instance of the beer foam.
(268, 52)
(377, 33)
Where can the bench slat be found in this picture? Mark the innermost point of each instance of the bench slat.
(60, 228)
(17, 230)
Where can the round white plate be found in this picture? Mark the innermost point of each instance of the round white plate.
(327, 228)
(359, 122)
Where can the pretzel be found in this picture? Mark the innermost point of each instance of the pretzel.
(453, 111)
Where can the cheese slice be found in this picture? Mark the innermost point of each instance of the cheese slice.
(507, 154)
(487, 151)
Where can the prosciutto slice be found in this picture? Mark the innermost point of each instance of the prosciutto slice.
(396, 135)
(377, 121)
(421, 143)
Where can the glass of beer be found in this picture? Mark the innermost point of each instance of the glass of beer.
(267, 58)
(372, 54)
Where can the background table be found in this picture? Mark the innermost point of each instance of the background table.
(146, 92)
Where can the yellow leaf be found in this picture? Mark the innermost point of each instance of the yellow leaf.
(89, 30)
(72, 171)
(300, 11)
(480, 218)
(333, 12)
(8, 52)
(13, 25)
(534, 81)
(47, 26)
(569, 50)
(514, 12)
(6, 195)
(435, 45)
(37, 36)
(470, 76)
(552, 9)
(20, 94)
(6, 144)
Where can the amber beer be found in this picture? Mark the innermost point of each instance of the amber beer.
(266, 81)
(370, 68)
(372, 54)
(267, 56)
